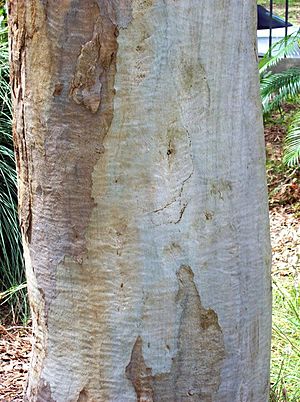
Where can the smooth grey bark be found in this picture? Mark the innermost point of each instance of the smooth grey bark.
(143, 202)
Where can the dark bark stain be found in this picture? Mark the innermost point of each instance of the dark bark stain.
(44, 392)
(195, 370)
(208, 215)
(221, 188)
(58, 89)
(84, 396)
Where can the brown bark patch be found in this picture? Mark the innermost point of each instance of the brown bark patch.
(84, 396)
(195, 370)
(96, 59)
(44, 393)
(63, 71)
(139, 374)
(201, 347)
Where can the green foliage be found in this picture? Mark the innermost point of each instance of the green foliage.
(285, 370)
(281, 49)
(292, 142)
(279, 88)
(11, 259)
(3, 14)
(276, 90)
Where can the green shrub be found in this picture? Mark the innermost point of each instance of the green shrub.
(12, 274)
(285, 369)
(279, 88)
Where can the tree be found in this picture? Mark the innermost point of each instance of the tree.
(143, 203)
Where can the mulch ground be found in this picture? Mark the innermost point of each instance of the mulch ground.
(283, 182)
(14, 362)
(285, 236)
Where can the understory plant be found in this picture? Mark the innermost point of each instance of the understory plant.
(285, 370)
(12, 274)
(280, 88)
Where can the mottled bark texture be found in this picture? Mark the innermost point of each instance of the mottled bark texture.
(140, 155)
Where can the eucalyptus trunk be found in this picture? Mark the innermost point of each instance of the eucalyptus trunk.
(140, 153)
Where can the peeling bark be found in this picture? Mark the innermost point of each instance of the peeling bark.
(62, 66)
(141, 187)
(139, 374)
(196, 367)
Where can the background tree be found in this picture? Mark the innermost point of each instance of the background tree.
(143, 199)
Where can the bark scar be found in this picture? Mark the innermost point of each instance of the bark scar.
(139, 374)
(94, 64)
(195, 370)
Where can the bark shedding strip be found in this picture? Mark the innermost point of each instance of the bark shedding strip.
(63, 68)
(195, 371)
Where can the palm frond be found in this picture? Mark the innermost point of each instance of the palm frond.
(291, 155)
(279, 88)
(288, 46)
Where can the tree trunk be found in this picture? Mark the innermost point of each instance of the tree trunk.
(143, 203)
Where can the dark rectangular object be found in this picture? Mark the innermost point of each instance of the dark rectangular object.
(266, 19)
